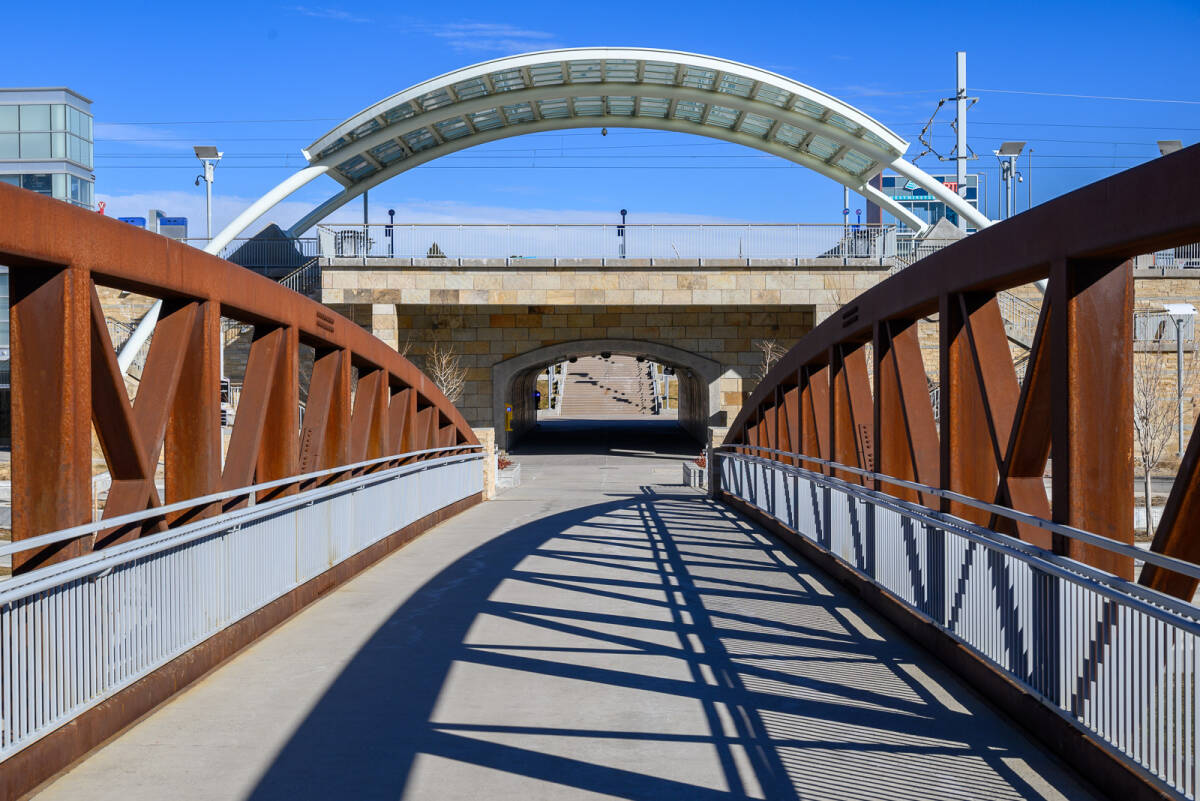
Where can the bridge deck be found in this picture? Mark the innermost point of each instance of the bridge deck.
(598, 632)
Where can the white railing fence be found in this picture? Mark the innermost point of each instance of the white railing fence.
(1113, 657)
(717, 241)
(75, 633)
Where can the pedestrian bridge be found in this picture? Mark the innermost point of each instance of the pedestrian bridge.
(869, 600)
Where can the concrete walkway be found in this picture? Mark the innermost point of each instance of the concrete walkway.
(599, 632)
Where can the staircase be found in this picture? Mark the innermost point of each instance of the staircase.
(607, 387)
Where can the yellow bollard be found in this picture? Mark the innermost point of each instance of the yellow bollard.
(508, 418)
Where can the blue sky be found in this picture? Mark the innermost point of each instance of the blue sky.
(262, 80)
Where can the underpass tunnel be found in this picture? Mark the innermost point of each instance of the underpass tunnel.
(599, 382)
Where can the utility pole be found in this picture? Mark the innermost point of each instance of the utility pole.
(960, 124)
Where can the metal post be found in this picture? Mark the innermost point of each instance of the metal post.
(208, 181)
(960, 122)
(1179, 381)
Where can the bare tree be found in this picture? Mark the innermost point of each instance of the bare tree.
(444, 366)
(1154, 410)
(405, 347)
(771, 351)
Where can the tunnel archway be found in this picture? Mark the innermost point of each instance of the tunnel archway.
(594, 87)
(514, 379)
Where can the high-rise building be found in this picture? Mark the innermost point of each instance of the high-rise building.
(46, 143)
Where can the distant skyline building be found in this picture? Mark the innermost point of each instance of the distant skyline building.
(919, 201)
(46, 143)
(159, 223)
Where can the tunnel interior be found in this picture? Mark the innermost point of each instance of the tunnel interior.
(604, 386)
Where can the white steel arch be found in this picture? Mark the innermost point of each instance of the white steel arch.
(609, 87)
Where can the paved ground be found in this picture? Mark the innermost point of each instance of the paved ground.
(599, 632)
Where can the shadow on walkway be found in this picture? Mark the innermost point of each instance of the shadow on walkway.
(653, 646)
(647, 437)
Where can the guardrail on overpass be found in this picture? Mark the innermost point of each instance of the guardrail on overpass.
(103, 620)
(715, 241)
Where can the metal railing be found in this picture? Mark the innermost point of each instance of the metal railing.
(1115, 658)
(267, 253)
(305, 279)
(717, 241)
(74, 633)
(1184, 257)
(1156, 326)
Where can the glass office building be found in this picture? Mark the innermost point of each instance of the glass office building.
(46, 143)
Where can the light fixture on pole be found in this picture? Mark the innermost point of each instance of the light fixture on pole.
(1007, 155)
(1180, 313)
(1168, 146)
(209, 156)
(621, 233)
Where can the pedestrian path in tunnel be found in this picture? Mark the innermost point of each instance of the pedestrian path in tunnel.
(599, 632)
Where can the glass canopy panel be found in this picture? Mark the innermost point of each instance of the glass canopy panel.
(508, 80)
(620, 70)
(654, 107)
(555, 108)
(388, 152)
(439, 98)
(772, 95)
(589, 106)
(453, 129)
(658, 72)
(855, 162)
(469, 89)
(838, 121)
(400, 112)
(546, 74)
(356, 168)
(823, 148)
(689, 110)
(735, 85)
(487, 120)
(756, 124)
(808, 107)
(419, 140)
(790, 135)
(519, 112)
(698, 78)
(365, 128)
(586, 72)
(721, 117)
(876, 140)
(620, 106)
(333, 147)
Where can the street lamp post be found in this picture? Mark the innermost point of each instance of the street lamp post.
(621, 233)
(1179, 313)
(391, 238)
(1007, 154)
(209, 156)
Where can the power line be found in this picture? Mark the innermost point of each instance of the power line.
(1087, 97)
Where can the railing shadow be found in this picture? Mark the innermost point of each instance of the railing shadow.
(551, 652)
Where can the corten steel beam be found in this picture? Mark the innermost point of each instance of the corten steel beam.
(1177, 528)
(851, 412)
(907, 441)
(1022, 486)
(64, 376)
(789, 422)
(1091, 440)
(769, 428)
(1077, 398)
(369, 420)
(51, 405)
(192, 451)
(815, 406)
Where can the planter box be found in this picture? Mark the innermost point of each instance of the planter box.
(694, 475)
(509, 477)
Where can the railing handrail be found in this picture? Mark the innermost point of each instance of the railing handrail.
(1150, 557)
(62, 535)
(57, 573)
(1183, 613)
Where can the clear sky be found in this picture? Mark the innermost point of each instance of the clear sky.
(262, 80)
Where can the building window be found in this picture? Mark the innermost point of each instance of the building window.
(8, 118)
(9, 146)
(35, 145)
(15, 180)
(37, 182)
(35, 118)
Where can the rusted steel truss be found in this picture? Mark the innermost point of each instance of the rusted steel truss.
(994, 437)
(66, 381)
